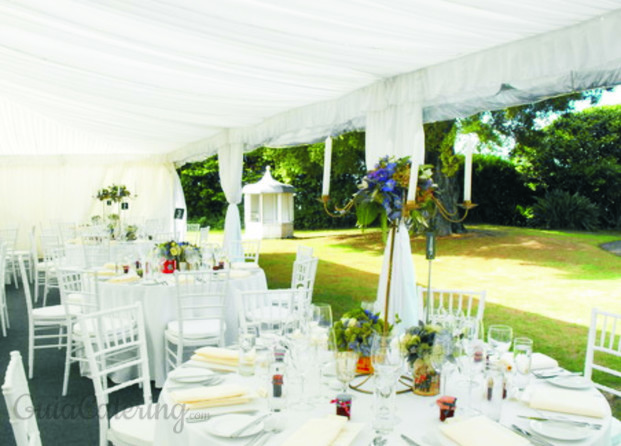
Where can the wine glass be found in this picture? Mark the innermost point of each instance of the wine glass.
(499, 338)
(320, 328)
(298, 341)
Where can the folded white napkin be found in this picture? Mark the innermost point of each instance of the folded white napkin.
(332, 430)
(110, 266)
(215, 396)
(106, 272)
(481, 431)
(125, 278)
(541, 361)
(577, 402)
(218, 355)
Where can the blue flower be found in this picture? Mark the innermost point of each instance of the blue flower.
(389, 186)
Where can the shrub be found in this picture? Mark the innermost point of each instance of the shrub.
(559, 209)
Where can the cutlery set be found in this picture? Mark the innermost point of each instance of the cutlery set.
(564, 421)
(537, 441)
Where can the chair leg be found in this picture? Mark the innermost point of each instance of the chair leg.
(45, 288)
(36, 290)
(68, 353)
(15, 274)
(30, 354)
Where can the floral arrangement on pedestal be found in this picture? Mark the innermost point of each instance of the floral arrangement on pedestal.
(417, 344)
(113, 193)
(383, 190)
(354, 332)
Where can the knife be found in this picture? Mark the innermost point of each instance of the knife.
(409, 441)
(561, 420)
(530, 437)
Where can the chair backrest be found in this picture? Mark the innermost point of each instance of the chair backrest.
(3, 250)
(114, 341)
(26, 288)
(192, 233)
(267, 310)
(9, 236)
(161, 237)
(452, 301)
(303, 276)
(244, 251)
(19, 404)
(49, 242)
(603, 348)
(304, 252)
(79, 290)
(201, 295)
(67, 231)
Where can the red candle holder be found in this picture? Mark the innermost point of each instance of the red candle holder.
(169, 266)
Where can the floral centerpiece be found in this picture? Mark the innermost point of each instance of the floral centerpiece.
(418, 346)
(354, 331)
(383, 190)
(114, 193)
(175, 253)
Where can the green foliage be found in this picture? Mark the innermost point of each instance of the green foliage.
(499, 190)
(581, 153)
(561, 210)
(204, 197)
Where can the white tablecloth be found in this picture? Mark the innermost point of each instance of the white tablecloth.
(158, 302)
(418, 417)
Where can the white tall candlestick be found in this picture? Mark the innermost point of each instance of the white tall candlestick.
(468, 175)
(413, 182)
(327, 164)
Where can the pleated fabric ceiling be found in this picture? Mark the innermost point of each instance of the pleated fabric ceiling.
(181, 79)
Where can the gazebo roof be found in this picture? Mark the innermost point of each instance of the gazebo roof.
(268, 185)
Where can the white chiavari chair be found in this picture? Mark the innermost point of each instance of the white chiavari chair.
(244, 251)
(604, 343)
(79, 294)
(468, 303)
(303, 252)
(200, 301)
(114, 341)
(4, 312)
(22, 413)
(46, 325)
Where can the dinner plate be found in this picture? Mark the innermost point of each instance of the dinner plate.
(571, 382)
(560, 431)
(226, 425)
(190, 374)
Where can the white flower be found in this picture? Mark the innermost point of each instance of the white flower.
(352, 322)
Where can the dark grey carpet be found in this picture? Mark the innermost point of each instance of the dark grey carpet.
(66, 420)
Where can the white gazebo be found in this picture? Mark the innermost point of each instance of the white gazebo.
(268, 208)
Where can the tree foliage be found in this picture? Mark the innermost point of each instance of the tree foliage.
(581, 153)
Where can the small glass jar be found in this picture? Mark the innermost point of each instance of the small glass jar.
(343, 405)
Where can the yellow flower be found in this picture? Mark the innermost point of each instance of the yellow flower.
(175, 251)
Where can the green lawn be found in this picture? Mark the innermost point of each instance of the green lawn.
(542, 283)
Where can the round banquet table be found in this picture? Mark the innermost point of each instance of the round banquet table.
(418, 417)
(158, 303)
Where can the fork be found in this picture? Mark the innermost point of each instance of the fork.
(530, 437)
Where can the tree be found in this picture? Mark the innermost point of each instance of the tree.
(581, 153)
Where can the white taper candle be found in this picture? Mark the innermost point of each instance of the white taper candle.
(468, 173)
(327, 164)
(413, 184)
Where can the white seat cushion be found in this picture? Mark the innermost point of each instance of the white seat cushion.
(195, 329)
(135, 426)
(49, 312)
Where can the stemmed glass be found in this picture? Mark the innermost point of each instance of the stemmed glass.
(298, 341)
(499, 338)
(387, 360)
(320, 329)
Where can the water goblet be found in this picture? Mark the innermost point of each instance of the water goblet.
(345, 363)
(499, 338)
(522, 357)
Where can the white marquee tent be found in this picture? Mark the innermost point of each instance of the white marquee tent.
(100, 91)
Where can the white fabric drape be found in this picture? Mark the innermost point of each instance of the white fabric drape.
(403, 297)
(44, 191)
(397, 131)
(230, 162)
(173, 77)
